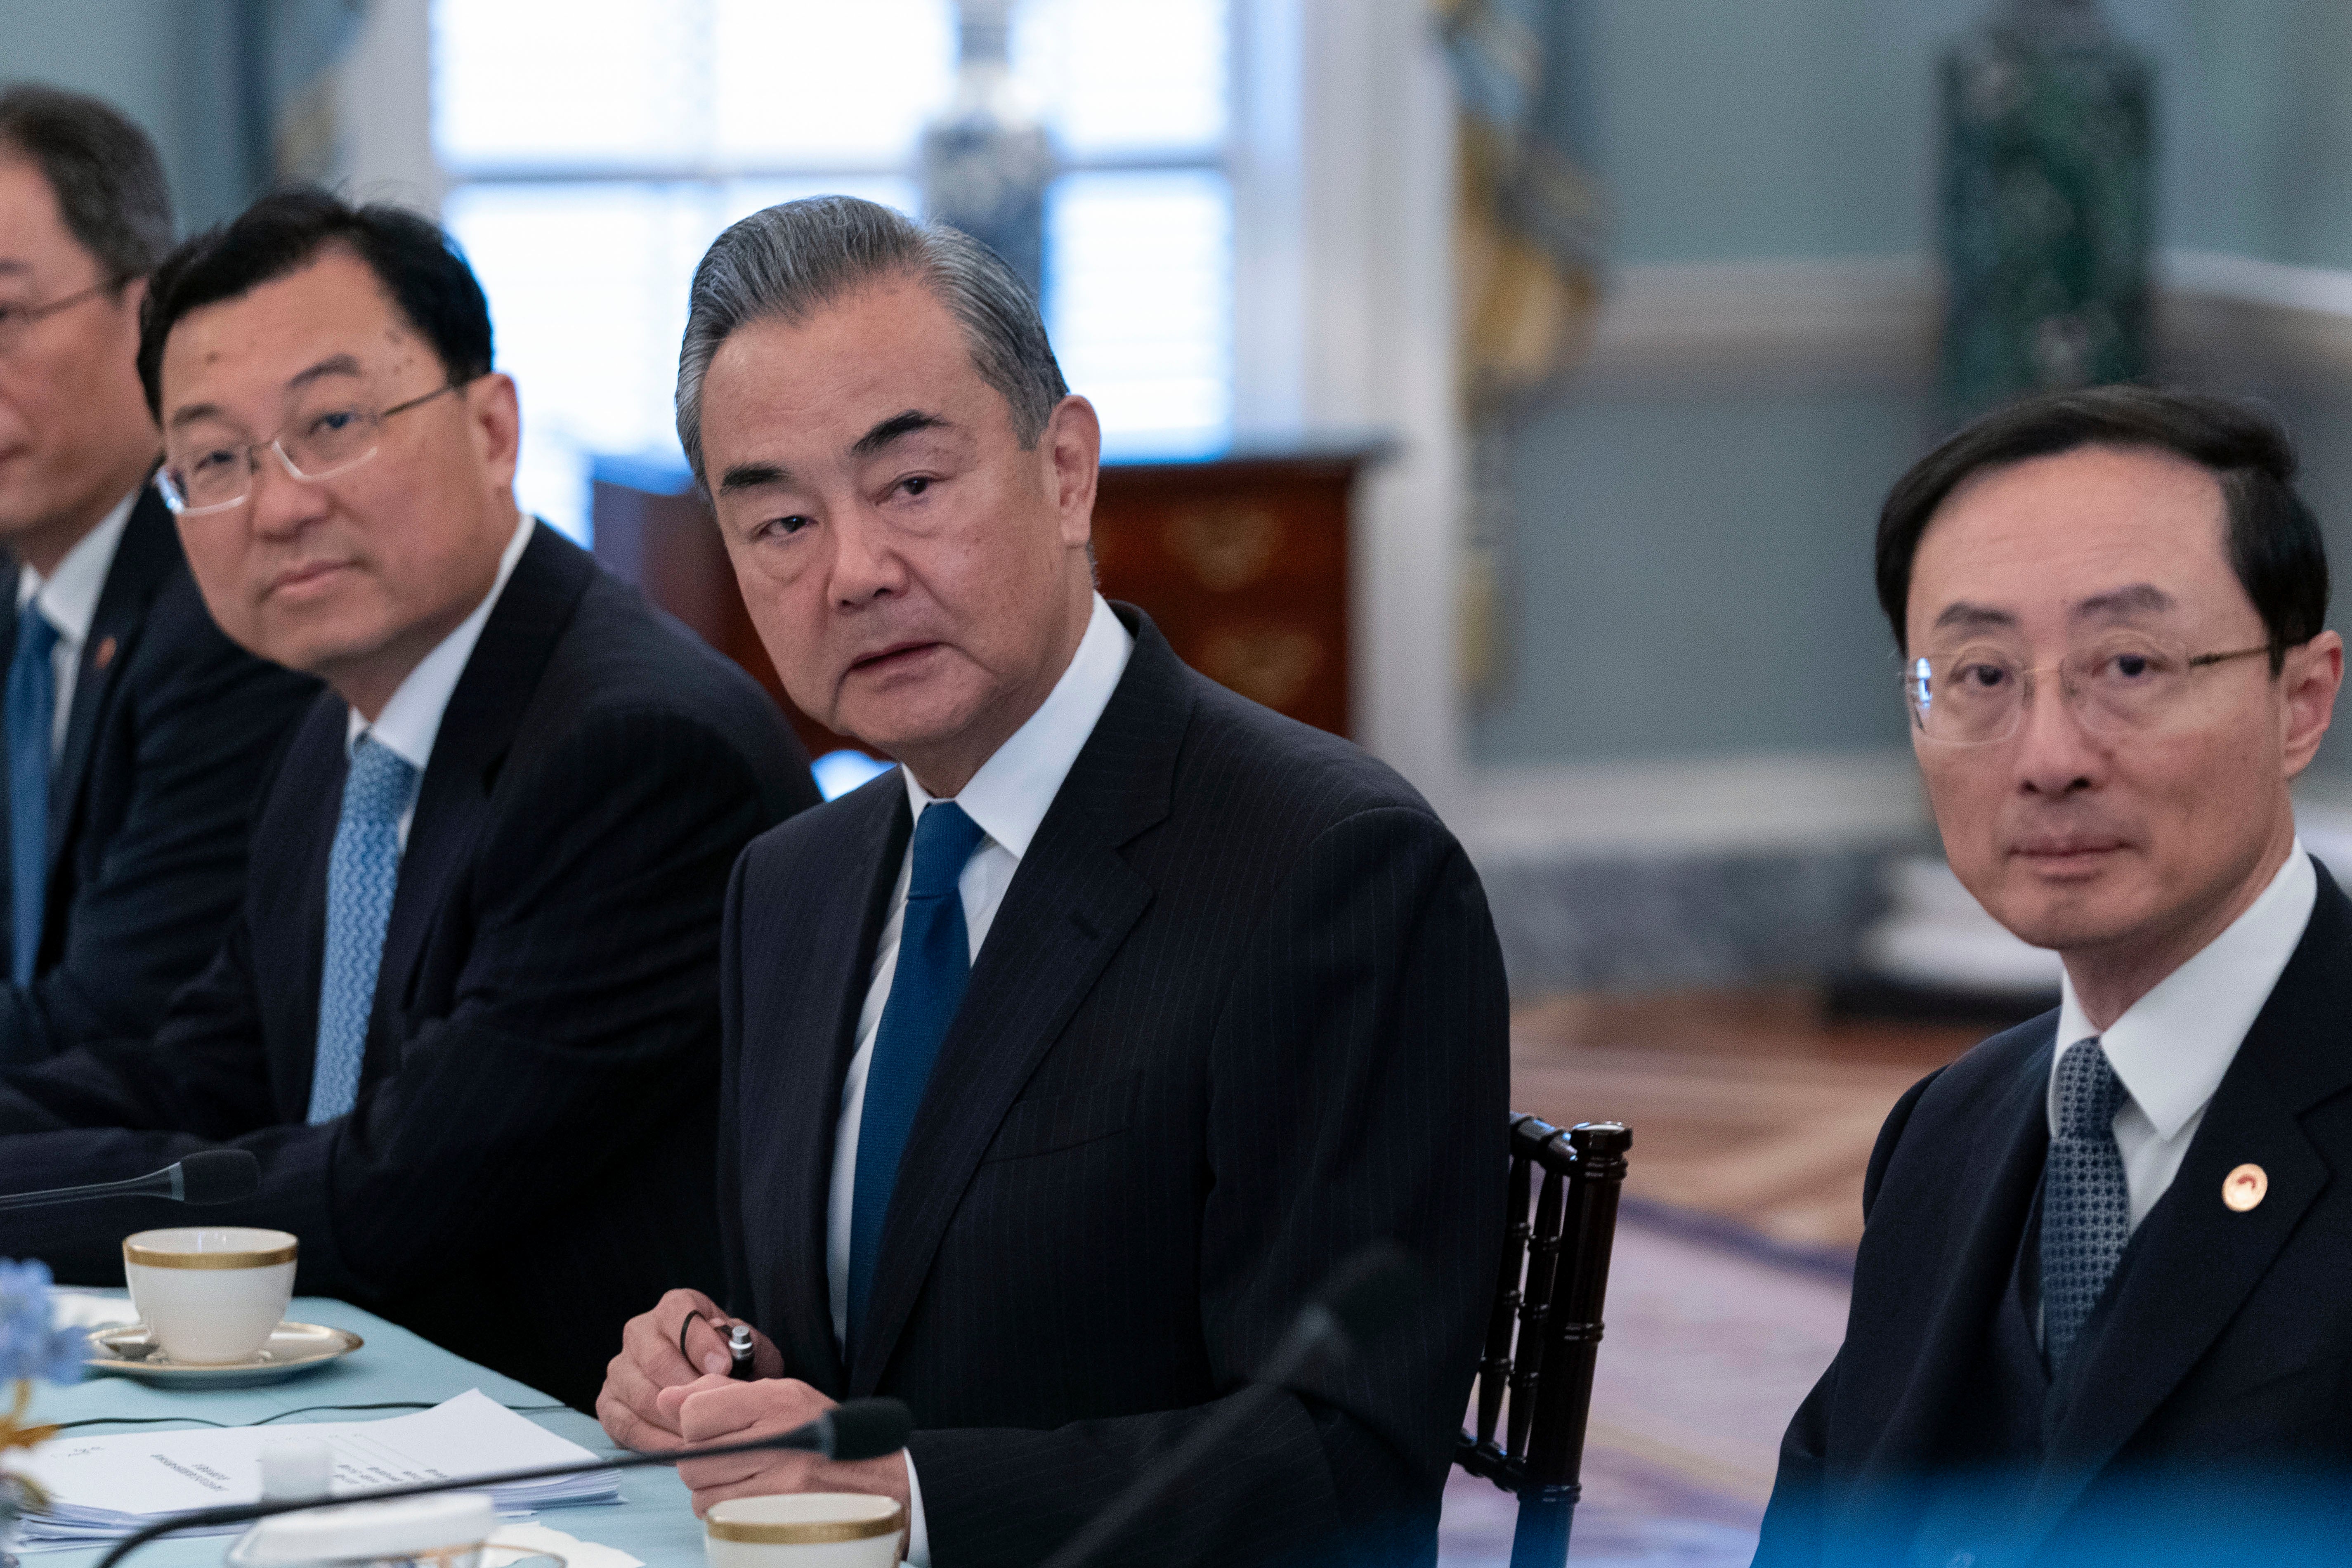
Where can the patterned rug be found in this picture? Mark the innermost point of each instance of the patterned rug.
(1710, 1346)
(1753, 1119)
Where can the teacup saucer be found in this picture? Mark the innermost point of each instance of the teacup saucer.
(131, 1351)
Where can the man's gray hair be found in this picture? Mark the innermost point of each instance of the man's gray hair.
(788, 261)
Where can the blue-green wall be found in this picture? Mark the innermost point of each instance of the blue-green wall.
(171, 65)
(1691, 568)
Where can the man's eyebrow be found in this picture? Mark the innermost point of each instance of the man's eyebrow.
(9, 264)
(752, 476)
(891, 429)
(2139, 598)
(333, 365)
(1972, 617)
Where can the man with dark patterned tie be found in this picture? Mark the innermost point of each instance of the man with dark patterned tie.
(466, 1016)
(134, 728)
(2103, 1308)
(1065, 1061)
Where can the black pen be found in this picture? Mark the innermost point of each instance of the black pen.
(739, 1351)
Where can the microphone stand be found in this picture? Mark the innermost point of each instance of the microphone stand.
(818, 1436)
(168, 1183)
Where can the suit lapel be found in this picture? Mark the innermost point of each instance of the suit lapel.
(2154, 1332)
(453, 799)
(144, 558)
(316, 763)
(1071, 904)
(1942, 1354)
(824, 983)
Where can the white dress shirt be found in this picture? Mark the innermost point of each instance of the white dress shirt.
(412, 715)
(69, 601)
(2171, 1047)
(1007, 798)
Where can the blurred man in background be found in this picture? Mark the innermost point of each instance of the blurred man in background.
(135, 731)
(2105, 1286)
(466, 1016)
(1234, 1009)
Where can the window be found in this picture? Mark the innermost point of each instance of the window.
(596, 147)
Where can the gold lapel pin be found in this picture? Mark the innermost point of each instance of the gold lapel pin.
(2246, 1188)
(104, 655)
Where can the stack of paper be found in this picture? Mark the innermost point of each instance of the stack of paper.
(104, 1487)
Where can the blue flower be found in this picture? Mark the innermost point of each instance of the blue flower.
(29, 1346)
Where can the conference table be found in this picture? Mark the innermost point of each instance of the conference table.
(653, 1522)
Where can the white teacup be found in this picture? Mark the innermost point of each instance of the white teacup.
(807, 1530)
(210, 1293)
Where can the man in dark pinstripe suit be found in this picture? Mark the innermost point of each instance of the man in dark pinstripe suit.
(506, 1144)
(1064, 1063)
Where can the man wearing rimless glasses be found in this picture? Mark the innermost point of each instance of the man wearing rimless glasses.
(134, 728)
(2103, 1306)
(467, 1016)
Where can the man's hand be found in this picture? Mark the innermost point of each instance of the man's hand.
(714, 1410)
(650, 1361)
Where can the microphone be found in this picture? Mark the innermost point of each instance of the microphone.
(861, 1429)
(210, 1177)
(1369, 1292)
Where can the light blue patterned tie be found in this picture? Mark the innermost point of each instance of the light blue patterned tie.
(2085, 1201)
(934, 961)
(361, 871)
(32, 708)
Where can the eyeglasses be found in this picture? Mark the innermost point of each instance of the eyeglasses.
(316, 444)
(16, 321)
(2123, 684)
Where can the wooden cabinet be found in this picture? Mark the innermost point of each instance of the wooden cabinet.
(1242, 560)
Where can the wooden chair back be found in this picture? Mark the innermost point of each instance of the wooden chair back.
(1534, 1377)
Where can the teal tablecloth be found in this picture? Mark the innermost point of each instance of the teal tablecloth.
(652, 1522)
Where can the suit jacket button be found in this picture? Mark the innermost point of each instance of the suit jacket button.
(1962, 1559)
(2246, 1188)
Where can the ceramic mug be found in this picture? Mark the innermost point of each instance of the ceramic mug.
(210, 1294)
(808, 1529)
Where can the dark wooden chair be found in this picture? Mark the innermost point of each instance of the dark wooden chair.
(1545, 1331)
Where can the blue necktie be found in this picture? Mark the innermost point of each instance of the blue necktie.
(2085, 1202)
(363, 869)
(934, 959)
(32, 709)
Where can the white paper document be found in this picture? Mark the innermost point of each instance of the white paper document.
(103, 1487)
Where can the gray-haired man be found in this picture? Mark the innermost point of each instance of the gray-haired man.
(135, 730)
(1065, 1063)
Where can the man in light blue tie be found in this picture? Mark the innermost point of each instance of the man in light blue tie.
(466, 1014)
(2103, 1308)
(134, 728)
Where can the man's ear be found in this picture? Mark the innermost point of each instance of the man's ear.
(2311, 677)
(1071, 451)
(496, 413)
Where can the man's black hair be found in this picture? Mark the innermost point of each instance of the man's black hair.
(2273, 541)
(418, 265)
(103, 171)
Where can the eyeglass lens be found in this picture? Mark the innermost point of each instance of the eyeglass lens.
(2119, 685)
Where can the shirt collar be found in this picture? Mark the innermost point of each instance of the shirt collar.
(2171, 1047)
(411, 717)
(1010, 794)
(69, 596)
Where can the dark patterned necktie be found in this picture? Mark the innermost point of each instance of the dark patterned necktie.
(32, 701)
(2085, 1202)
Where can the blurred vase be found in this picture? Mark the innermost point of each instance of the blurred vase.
(2048, 209)
(986, 160)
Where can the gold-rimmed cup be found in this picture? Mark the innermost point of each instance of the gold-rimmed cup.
(806, 1530)
(211, 1294)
